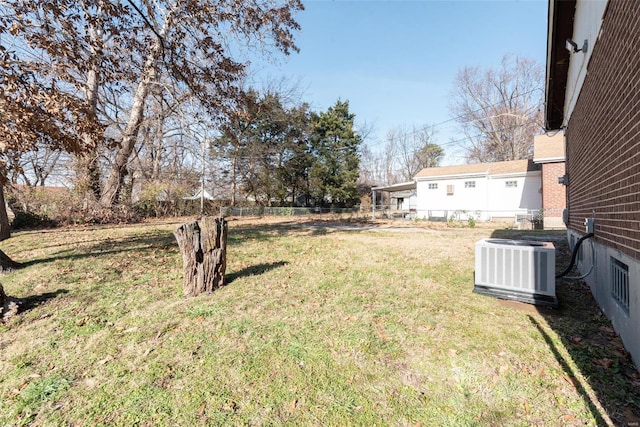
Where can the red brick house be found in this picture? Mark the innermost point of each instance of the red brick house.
(548, 152)
(593, 94)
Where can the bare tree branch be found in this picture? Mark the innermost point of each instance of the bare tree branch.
(499, 110)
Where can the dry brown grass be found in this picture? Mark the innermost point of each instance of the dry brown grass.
(319, 325)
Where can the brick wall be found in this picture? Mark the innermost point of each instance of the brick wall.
(554, 196)
(603, 134)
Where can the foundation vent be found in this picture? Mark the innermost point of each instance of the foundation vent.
(620, 283)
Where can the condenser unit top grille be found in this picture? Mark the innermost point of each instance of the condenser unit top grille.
(522, 270)
(516, 242)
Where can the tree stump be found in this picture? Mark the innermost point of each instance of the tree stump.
(204, 254)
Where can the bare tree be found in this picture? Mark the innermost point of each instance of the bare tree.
(189, 45)
(170, 145)
(370, 173)
(412, 150)
(34, 167)
(129, 51)
(407, 151)
(499, 110)
(35, 114)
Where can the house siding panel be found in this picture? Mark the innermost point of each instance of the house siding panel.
(603, 134)
(489, 199)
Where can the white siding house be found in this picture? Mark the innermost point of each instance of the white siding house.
(485, 191)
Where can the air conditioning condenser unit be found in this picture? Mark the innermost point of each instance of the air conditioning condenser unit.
(520, 270)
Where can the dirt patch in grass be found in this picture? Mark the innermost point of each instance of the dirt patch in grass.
(527, 308)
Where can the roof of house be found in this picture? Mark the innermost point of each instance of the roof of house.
(495, 168)
(402, 186)
(198, 195)
(560, 28)
(549, 148)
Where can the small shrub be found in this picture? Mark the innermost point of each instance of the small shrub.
(454, 220)
(288, 211)
(119, 214)
(25, 220)
(165, 199)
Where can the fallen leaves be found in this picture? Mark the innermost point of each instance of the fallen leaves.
(605, 362)
(230, 406)
(607, 329)
(571, 380)
(293, 405)
(105, 360)
(16, 391)
(379, 331)
(567, 418)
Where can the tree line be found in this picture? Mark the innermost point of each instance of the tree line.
(135, 96)
(122, 85)
(282, 155)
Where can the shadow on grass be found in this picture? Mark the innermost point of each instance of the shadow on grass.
(163, 239)
(34, 301)
(13, 306)
(139, 243)
(566, 367)
(309, 225)
(589, 339)
(265, 232)
(254, 270)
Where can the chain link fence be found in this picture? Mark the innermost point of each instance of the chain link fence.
(292, 211)
(521, 219)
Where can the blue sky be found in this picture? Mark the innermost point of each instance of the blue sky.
(395, 61)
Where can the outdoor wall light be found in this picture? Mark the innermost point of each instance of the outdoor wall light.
(573, 46)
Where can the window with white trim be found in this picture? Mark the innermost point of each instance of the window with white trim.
(511, 184)
(433, 186)
(450, 190)
(469, 184)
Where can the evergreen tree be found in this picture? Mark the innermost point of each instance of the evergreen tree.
(267, 145)
(335, 148)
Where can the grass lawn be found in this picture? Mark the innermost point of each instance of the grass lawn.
(317, 326)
